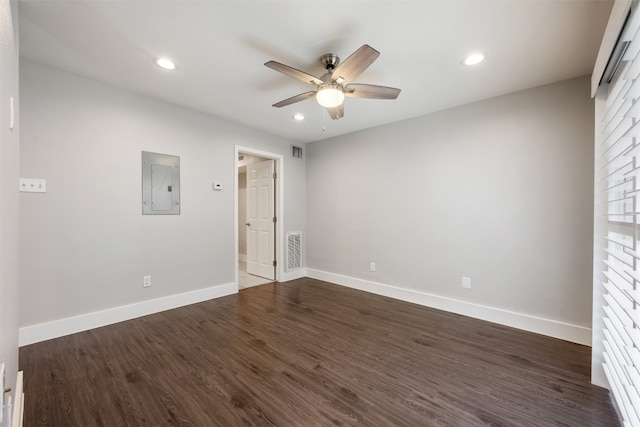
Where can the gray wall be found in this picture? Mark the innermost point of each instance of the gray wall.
(9, 201)
(500, 191)
(85, 244)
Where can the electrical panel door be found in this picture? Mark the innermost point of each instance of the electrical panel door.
(160, 184)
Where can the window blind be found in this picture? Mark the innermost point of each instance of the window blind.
(618, 202)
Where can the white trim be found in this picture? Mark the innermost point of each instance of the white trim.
(279, 209)
(598, 376)
(242, 257)
(293, 275)
(552, 328)
(71, 325)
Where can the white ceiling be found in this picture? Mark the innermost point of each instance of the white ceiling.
(220, 48)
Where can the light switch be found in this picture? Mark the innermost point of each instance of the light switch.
(33, 185)
(217, 186)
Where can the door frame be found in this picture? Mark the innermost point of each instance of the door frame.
(279, 206)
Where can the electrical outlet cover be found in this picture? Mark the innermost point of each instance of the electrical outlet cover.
(466, 282)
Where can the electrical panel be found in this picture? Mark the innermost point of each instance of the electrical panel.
(160, 184)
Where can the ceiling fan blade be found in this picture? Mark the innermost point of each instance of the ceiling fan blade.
(354, 65)
(292, 72)
(295, 99)
(336, 112)
(358, 90)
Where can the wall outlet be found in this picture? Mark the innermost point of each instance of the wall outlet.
(33, 185)
(146, 281)
(372, 266)
(466, 282)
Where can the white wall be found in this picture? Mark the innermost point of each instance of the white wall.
(9, 201)
(499, 191)
(85, 243)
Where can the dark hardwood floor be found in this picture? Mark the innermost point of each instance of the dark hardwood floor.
(308, 353)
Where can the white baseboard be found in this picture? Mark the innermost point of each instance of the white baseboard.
(552, 328)
(45, 331)
(242, 257)
(71, 325)
(285, 276)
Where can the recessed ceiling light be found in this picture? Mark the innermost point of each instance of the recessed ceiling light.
(298, 117)
(473, 59)
(165, 63)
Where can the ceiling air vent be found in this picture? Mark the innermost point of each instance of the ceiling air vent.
(296, 152)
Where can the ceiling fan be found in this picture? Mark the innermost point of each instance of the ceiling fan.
(335, 84)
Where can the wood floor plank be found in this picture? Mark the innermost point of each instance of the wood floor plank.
(309, 353)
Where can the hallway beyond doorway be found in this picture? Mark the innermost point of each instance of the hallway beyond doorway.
(246, 280)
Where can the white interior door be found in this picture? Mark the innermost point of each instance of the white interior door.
(260, 219)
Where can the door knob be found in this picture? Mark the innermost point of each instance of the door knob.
(248, 224)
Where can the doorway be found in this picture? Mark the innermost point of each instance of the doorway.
(258, 215)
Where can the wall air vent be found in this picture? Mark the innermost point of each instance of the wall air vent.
(296, 152)
(294, 250)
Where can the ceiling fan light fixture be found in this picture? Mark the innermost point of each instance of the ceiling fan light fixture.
(330, 95)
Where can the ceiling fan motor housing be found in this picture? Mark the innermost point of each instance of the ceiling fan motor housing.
(330, 61)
